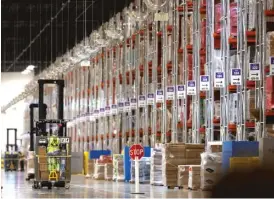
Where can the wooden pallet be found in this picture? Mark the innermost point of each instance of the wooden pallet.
(156, 184)
(173, 187)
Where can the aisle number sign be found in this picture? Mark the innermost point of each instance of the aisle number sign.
(142, 101)
(271, 68)
(204, 83)
(107, 111)
(219, 80)
(127, 106)
(120, 107)
(150, 99)
(191, 87)
(159, 96)
(236, 76)
(114, 110)
(102, 112)
(96, 114)
(133, 103)
(170, 92)
(254, 72)
(181, 93)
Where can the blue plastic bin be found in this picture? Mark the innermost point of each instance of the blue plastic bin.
(95, 154)
(238, 149)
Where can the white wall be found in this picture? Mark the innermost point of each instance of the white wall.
(12, 84)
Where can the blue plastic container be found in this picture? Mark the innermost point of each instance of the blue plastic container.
(238, 149)
(127, 163)
(95, 154)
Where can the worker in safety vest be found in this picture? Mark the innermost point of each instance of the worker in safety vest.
(53, 150)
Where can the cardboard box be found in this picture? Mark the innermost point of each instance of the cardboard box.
(42, 151)
(44, 175)
(43, 167)
(194, 181)
(266, 152)
(244, 163)
(42, 160)
(215, 146)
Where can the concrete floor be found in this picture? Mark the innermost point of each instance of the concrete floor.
(15, 186)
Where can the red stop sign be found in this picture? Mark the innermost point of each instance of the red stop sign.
(136, 150)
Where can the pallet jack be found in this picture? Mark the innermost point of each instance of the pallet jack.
(42, 136)
(30, 161)
(11, 157)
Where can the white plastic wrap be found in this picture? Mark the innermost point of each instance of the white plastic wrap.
(118, 167)
(211, 167)
(144, 170)
(269, 46)
(99, 173)
(156, 165)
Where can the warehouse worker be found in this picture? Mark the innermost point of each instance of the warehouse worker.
(53, 150)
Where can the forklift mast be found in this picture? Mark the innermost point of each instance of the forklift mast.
(44, 112)
(15, 139)
(60, 114)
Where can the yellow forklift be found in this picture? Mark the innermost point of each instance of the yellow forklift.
(11, 156)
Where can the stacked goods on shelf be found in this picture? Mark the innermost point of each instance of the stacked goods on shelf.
(266, 152)
(211, 168)
(118, 167)
(144, 170)
(109, 171)
(178, 154)
(156, 165)
(194, 178)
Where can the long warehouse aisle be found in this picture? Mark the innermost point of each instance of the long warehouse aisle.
(15, 186)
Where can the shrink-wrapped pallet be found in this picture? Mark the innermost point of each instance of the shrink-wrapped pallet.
(178, 154)
(270, 4)
(183, 174)
(194, 179)
(251, 14)
(250, 105)
(211, 167)
(217, 109)
(269, 46)
(156, 165)
(118, 167)
(99, 172)
(144, 170)
(108, 171)
(233, 19)
(91, 168)
(218, 15)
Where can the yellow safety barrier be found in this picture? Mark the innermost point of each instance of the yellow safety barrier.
(244, 163)
(53, 175)
(86, 158)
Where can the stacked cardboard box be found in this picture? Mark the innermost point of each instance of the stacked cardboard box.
(183, 174)
(194, 178)
(108, 171)
(42, 162)
(91, 165)
(214, 147)
(211, 169)
(178, 154)
(266, 152)
(99, 173)
(156, 165)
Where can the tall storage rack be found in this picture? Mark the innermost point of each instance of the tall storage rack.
(201, 74)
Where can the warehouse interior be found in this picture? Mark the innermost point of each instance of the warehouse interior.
(137, 98)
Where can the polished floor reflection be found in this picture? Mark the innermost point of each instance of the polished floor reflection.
(15, 186)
